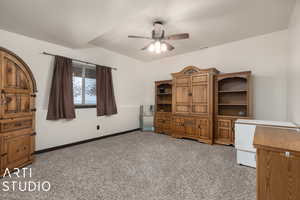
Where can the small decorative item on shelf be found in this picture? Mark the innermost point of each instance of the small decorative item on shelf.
(168, 90)
(161, 90)
(242, 113)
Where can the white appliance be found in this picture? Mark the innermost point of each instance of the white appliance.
(244, 135)
(146, 117)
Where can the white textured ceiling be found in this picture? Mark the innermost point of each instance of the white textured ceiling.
(106, 23)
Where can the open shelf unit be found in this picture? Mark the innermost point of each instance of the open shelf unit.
(232, 95)
(163, 96)
(163, 106)
(232, 101)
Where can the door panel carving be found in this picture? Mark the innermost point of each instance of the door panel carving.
(18, 150)
(16, 88)
(224, 133)
(182, 95)
(200, 94)
(193, 104)
(17, 112)
(202, 128)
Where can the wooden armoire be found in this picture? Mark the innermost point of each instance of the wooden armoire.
(17, 112)
(193, 104)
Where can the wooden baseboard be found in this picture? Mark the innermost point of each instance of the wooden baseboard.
(83, 141)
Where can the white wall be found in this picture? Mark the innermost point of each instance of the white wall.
(294, 66)
(54, 133)
(266, 56)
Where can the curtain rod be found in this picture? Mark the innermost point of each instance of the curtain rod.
(49, 54)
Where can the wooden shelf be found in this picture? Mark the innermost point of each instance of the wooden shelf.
(163, 107)
(164, 94)
(232, 104)
(232, 91)
(233, 95)
(232, 116)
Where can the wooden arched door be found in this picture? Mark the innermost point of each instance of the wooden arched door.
(17, 111)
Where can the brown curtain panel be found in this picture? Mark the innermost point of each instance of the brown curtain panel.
(61, 105)
(106, 103)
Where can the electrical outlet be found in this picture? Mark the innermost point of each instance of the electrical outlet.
(98, 127)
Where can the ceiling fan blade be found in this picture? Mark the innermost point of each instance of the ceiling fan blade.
(181, 36)
(139, 37)
(169, 46)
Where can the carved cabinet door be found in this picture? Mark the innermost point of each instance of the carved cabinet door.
(15, 88)
(224, 133)
(178, 125)
(200, 94)
(189, 124)
(17, 151)
(181, 90)
(202, 128)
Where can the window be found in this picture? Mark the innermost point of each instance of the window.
(84, 85)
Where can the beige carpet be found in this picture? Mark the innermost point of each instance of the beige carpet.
(140, 166)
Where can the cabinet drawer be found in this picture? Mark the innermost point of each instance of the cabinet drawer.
(15, 124)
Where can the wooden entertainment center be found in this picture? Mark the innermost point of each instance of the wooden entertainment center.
(202, 104)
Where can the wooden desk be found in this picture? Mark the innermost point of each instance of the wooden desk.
(278, 163)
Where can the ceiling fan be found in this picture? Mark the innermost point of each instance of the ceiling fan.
(159, 39)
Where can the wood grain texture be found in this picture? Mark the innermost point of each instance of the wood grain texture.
(193, 104)
(233, 97)
(197, 98)
(17, 112)
(163, 107)
(277, 138)
(278, 163)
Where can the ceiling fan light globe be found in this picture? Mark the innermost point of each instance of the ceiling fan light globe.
(151, 48)
(157, 46)
(164, 47)
(158, 51)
